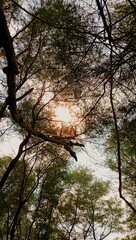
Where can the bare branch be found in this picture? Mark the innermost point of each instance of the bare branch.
(118, 139)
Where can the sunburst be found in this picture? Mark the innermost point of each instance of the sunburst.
(62, 114)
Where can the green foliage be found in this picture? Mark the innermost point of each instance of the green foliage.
(56, 202)
(13, 198)
(84, 209)
(125, 16)
(60, 35)
(47, 198)
(127, 134)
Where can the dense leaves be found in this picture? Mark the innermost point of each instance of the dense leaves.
(54, 203)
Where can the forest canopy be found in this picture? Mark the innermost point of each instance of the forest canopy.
(67, 76)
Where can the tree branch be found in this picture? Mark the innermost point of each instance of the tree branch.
(118, 139)
(14, 162)
(132, 4)
(104, 21)
(7, 44)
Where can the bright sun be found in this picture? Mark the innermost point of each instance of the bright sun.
(63, 114)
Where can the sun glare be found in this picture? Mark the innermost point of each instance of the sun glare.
(66, 120)
(63, 114)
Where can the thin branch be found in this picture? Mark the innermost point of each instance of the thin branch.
(23, 29)
(14, 162)
(104, 21)
(132, 4)
(118, 140)
(25, 94)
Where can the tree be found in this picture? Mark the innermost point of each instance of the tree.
(14, 198)
(33, 188)
(54, 203)
(118, 68)
(128, 155)
(83, 211)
